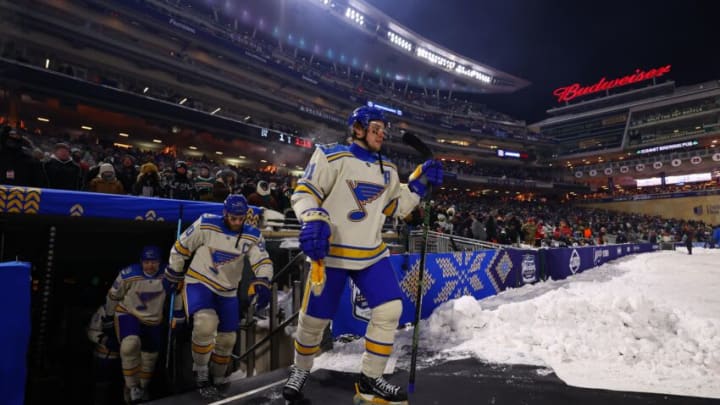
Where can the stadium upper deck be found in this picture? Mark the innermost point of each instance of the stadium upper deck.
(377, 43)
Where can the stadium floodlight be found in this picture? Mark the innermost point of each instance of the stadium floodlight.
(218, 153)
(474, 74)
(43, 119)
(145, 90)
(183, 101)
(123, 134)
(355, 15)
(192, 147)
(399, 41)
(47, 63)
(434, 58)
(157, 141)
(87, 128)
(215, 111)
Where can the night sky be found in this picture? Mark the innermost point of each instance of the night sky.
(554, 43)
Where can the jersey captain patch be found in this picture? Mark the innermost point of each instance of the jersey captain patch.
(364, 193)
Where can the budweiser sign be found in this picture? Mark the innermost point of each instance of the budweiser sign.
(576, 90)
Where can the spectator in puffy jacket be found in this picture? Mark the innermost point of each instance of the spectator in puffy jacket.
(105, 182)
(148, 181)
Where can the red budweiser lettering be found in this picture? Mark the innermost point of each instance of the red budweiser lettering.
(575, 90)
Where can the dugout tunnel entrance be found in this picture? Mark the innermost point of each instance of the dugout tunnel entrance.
(74, 262)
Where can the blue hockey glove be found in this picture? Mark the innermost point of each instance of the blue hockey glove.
(260, 287)
(429, 172)
(315, 233)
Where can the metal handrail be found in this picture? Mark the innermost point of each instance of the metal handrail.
(442, 242)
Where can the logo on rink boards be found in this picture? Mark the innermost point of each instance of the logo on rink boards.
(575, 261)
(528, 269)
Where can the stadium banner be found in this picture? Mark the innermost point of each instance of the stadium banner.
(15, 336)
(447, 276)
(561, 263)
(45, 201)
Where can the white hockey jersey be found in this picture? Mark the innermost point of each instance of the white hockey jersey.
(219, 255)
(136, 293)
(348, 183)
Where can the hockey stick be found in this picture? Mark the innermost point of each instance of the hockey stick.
(415, 143)
(169, 348)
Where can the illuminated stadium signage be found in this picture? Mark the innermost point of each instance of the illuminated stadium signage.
(663, 148)
(395, 111)
(511, 154)
(568, 93)
(277, 136)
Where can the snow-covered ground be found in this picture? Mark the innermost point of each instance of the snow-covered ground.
(647, 323)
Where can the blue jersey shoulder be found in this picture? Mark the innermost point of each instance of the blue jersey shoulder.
(133, 270)
(333, 148)
(251, 230)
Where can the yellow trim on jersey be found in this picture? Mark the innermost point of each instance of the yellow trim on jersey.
(250, 238)
(146, 375)
(390, 209)
(306, 350)
(182, 249)
(348, 252)
(261, 262)
(339, 155)
(303, 189)
(205, 349)
(379, 349)
(214, 284)
(211, 227)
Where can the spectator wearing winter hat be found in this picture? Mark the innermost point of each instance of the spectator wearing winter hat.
(262, 197)
(16, 166)
(179, 186)
(126, 172)
(204, 183)
(225, 184)
(148, 181)
(105, 182)
(61, 172)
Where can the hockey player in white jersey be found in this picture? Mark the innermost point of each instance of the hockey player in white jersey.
(342, 201)
(135, 305)
(219, 244)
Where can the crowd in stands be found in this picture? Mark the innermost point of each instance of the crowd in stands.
(619, 192)
(74, 164)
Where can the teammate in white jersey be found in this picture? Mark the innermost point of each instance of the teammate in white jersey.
(219, 245)
(342, 201)
(135, 305)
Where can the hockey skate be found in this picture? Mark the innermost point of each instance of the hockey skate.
(378, 391)
(292, 391)
(204, 387)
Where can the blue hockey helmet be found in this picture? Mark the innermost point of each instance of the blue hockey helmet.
(364, 115)
(235, 204)
(150, 252)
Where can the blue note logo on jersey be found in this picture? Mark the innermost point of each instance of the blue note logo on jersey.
(364, 193)
(147, 297)
(221, 257)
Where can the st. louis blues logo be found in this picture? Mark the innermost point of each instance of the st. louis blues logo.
(364, 193)
(221, 257)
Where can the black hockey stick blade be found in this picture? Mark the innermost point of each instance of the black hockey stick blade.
(414, 142)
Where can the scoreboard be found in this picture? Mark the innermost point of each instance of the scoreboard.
(272, 135)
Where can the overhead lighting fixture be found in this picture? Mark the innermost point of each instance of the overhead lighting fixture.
(145, 90)
(192, 147)
(354, 15)
(124, 134)
(87, 128)
(47, 63)
(242, 157)
(215, 111)
(398, 40)
(183, 101)
(122, 145)
(247, 118)
(157, 141)
(263, 161)
(43, 119)
(218, 153)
